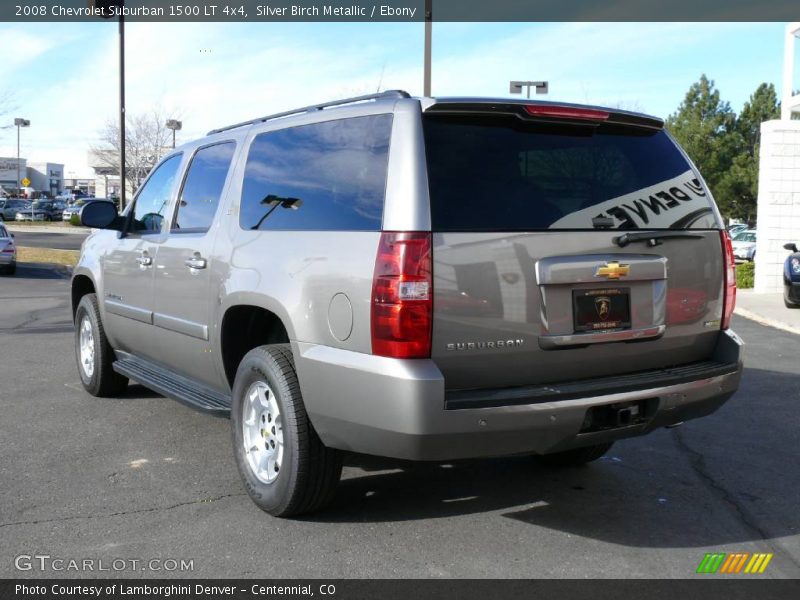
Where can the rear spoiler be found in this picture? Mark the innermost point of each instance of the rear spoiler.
(546, 112)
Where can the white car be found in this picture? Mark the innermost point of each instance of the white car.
(8, 252)
(744, 245)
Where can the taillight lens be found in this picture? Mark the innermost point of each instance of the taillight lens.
(402, 291)
(729, 300)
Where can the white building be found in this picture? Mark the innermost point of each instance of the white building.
(9, 171)
(46, 177)
(779, 180)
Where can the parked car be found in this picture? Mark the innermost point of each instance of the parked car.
(744, 244)
(53, 209)
(791, 277)
(739, 227)
(76, 207)
(281, 271)
(8, 252)
(9, 208)
(29, 212)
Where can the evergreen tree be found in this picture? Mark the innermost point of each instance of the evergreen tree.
(706, 128)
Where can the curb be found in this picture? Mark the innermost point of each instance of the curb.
(743, 312)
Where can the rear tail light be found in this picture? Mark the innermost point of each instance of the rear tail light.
(729, 298)
(402, 291)
(566, 112)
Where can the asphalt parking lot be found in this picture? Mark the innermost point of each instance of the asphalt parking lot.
(48, 239)
(144, 477)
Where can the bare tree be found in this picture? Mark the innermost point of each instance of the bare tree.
(6, 108)
(147, 140)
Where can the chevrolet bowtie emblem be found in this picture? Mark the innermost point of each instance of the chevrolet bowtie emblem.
(612, 270)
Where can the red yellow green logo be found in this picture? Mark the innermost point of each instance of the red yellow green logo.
(735, 562)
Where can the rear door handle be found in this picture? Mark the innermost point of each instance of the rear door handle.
(144, 260)
(196, 262)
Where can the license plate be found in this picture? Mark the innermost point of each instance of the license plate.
(601, 310)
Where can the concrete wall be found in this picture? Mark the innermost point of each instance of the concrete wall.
(778, 201)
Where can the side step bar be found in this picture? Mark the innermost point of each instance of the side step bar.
(172, 385)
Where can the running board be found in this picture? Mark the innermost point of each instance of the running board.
(165, 382)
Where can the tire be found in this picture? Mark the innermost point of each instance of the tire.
(575, 457)
(790, 304)
(266, 391)
(11, 269)
(93, 352)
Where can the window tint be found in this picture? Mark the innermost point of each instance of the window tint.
(504, 174)
(203, 187)
(153, 198)
(325, 176)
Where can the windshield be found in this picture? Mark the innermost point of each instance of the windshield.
(745, 236)
(502, 173)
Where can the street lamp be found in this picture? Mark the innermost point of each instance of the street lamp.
(105, 6)
(175, 126)
(542, 87)
(19, 123)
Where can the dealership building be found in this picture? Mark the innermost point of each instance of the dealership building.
(44, 177)
(779, 180)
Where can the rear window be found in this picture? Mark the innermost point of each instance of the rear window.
(321, 177)
(506, 174)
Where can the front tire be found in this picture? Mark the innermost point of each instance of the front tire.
(93, 352)
(284, 466)
(575, 457)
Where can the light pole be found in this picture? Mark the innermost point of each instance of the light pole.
(175, 126)
(19, 124)
(104, 7)
(426, 76)
(542, 87)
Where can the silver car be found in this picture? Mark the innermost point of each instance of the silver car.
(420, 278)
(8, 252)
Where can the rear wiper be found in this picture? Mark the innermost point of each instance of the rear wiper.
(651, 237)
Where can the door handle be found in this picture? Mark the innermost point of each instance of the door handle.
(196, 262)
(144, 260)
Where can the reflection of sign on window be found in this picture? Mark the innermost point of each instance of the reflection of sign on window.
(671, 203)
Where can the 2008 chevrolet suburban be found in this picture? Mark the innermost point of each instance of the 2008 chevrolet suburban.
(421, 278)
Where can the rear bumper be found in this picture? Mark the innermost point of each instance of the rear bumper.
(396, 408)
(7, 259)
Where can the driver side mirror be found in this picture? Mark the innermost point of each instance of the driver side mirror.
(791, 247)
(101, 215)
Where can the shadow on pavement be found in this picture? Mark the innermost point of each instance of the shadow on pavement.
(39, 271)
(651, 492)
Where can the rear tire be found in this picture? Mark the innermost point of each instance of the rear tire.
(10, 269)
(790, 304)
(93, 352)
(284, 466)
(575, 457)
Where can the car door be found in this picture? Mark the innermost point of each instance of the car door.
(184, 266)
(128, 266)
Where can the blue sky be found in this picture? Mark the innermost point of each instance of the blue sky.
(64, 76)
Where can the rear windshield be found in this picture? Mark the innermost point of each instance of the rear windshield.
(506, 174)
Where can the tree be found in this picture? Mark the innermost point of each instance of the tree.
(739, 184)
(6, 107)
(147, 140)
(706, 128)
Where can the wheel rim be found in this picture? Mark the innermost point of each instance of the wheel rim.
(86, 341)
(262, 432)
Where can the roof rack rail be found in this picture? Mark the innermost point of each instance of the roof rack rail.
(315, 107)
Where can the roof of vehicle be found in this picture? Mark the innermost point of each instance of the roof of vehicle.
(449, 104)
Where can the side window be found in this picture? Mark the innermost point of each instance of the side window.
(325, 176)
(202, 188)
(153, 199)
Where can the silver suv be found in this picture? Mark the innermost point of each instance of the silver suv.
(420, 278)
